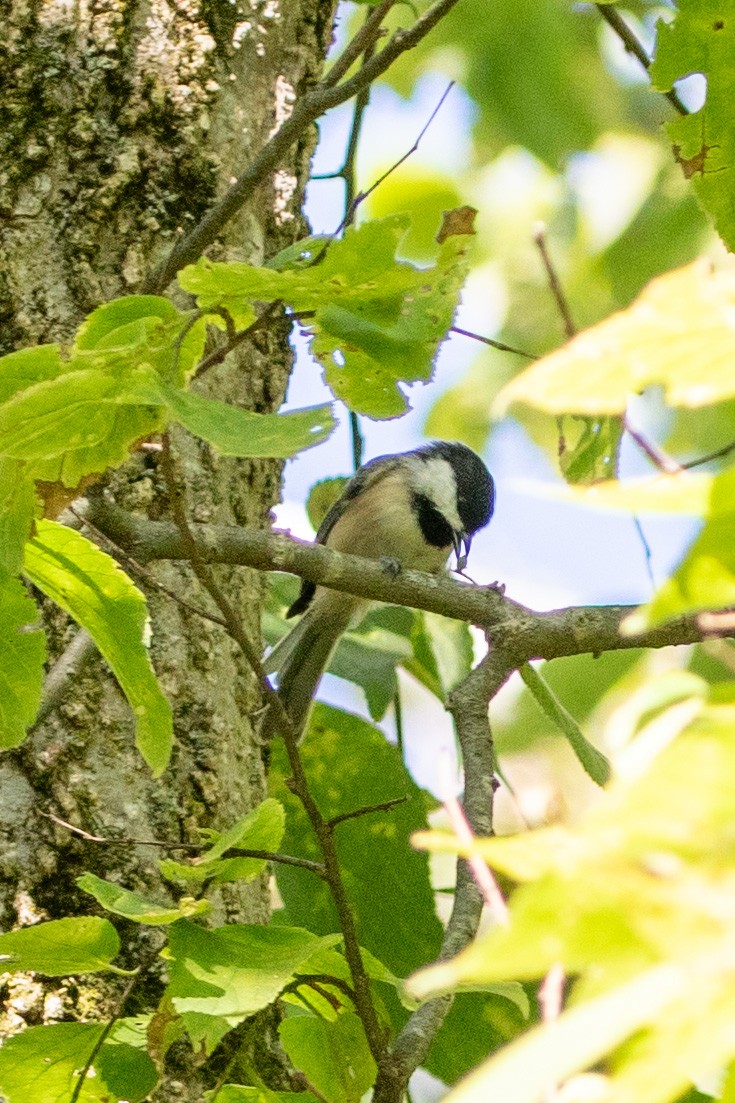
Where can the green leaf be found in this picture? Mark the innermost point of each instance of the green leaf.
(240, 1093)
(90, 586)
(368, 347)
(322, 497)
(594, 456)
(141, 331)
(700, 40)
(369, 659)
(17, 505)
(334, 1056)
(72, 945)
(218, 978)
(236, 432)
(42, 1065)
(442, 653)
(76, 424)
(680, 322)
(129, 1072)
(22, 369)
(580, 682)
(705, 577)
(594, 762)
(261, 829)
(350, 765)
(132, 905)
(377, 321)
(550, 1054)
(477, 1024)
(97, 328)
(22, 654)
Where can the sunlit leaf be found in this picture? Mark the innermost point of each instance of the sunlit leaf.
(236, 432)
(260, 829)
(22, 653)
(234, 971)
(700, 40)
(678, 333)
(334, 1056)
(73, 945)
(633, 902)
(22, 369)
(43, 1065)
(91, 587)
(134, 906)
(17, 503)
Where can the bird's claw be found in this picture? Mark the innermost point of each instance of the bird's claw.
(392, 567)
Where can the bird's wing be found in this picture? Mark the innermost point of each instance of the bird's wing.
(366, 477)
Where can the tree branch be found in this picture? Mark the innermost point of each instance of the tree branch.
(522, 633)
(615, 20)
(307, 110)
(468, 706)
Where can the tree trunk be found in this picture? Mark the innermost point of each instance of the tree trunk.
(122, 120)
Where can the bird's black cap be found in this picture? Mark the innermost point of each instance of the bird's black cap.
(475, 486)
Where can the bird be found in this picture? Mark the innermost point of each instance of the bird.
(411, 509)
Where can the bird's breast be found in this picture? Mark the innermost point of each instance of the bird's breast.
(382, 522)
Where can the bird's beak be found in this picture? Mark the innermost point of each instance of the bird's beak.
(460, 541)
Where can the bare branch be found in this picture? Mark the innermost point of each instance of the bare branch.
(386, 806)
(492, 343)
(613, 18)
(555, 286)
(468, 705)
(363, 42)
(523, 633)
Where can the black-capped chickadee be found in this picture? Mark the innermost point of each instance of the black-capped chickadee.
(416, 508)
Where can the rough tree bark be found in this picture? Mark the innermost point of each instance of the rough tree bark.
(121, 120)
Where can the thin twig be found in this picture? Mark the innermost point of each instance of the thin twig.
(325, 837)
(635, 47)
(108, 1027)
(386, 806)
(364, 41)
(363, 195)
(322, 978)
(144, 573)
(166, 844)
(709, 456)
(660, 459)
(493, 344)
(238, 338)
(307, 109)
(647, 553)
(539, 237)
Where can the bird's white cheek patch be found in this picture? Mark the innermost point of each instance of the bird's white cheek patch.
(435, 479)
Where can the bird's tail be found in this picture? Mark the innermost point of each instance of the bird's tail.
(302, 656)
